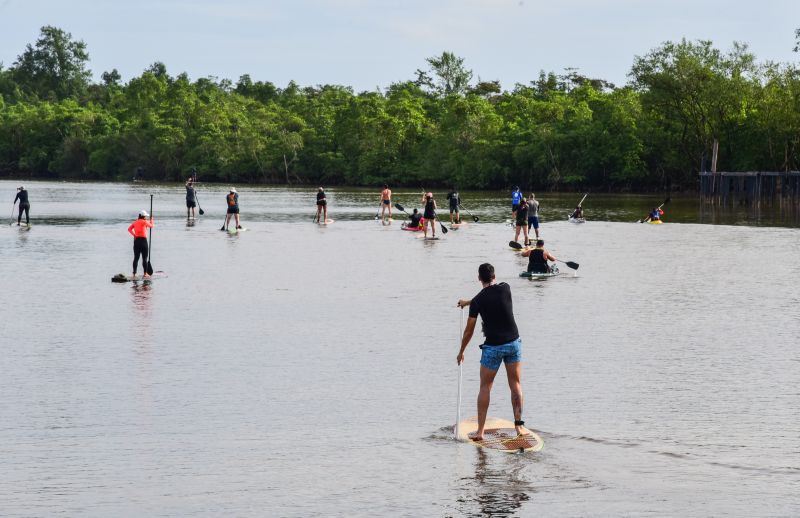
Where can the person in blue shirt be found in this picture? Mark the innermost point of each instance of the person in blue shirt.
(516, 197)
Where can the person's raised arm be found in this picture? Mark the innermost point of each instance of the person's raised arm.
(468, 330)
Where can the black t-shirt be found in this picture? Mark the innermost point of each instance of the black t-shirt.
(22, 196)
(493, 304)
(454, 199)
(522, 213)
(320, 195)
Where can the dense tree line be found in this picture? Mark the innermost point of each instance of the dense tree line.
(441, 128)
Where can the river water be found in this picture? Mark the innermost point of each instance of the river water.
(298, 370)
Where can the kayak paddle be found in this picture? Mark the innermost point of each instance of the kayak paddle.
(468, 212)
(648, 217)
(400, 208)
(579, 204)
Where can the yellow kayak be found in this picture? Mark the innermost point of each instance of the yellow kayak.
(655, 222)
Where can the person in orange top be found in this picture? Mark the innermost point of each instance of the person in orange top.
(138, 230)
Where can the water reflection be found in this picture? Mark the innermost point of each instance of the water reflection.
(499, 487)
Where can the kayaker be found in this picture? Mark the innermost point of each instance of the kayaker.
(522, 222)
(415, 220)
(577, 213)
(533, 214)
(24, 205)
(455, 201)
(516, 198)
(232, 200)
(322, 206)
(538, 257)
(138, 229)
(386, 201)
(429, 214)
(191, 198)
(655, 214)
(502, 345)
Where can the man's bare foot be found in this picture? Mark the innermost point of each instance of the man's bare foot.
(521, 430)
(477, 436)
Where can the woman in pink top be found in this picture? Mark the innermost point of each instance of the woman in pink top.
(138, 230)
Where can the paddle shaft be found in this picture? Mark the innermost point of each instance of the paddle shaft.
(196, 197)
(582, 199)
(149, 267)
(460, 376)
(659, 208)
(468, 212)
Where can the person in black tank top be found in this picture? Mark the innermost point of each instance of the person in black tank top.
(429, 214)
(24, 205)
(503, 344)
(322, 206)
(538, 257)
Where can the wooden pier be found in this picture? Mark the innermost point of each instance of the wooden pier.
(751, 188)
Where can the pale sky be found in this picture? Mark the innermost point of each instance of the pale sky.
(368, 44)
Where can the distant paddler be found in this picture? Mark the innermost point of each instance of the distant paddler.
(455, 201)
(24, 205)
(516, 198)
(322, 206)
(577, 213)
(429, 214)
(415, 220)
(138, 229)
(232, 200)
(533, 215)
(503, 345)
(191, 198)
(386, 201)
(538, 257)
(655, 215)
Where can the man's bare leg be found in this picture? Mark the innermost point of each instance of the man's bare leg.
(514, 371)
(487, 379)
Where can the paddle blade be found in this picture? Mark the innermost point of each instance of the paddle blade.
(148, 268)
(444, 229)
(399, 207)
(475, 218)
(572, 264)
(514, 244)
(202, 212)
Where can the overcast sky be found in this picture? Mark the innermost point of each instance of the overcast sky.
(373, 43)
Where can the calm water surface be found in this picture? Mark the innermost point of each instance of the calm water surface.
(297, 370)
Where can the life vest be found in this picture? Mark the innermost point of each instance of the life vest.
(231, 199)
(516, 196)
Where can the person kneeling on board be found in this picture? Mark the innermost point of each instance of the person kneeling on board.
(538, 257)
(577, 213)
(503, 344)
(138, 229)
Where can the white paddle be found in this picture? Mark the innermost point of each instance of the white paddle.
(460, 374)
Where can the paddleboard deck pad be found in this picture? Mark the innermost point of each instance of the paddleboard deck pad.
(499, 434)
(326, 222)
(233, 230)
(121, 277)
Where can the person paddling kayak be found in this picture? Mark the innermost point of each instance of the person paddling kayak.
(577, 213)
(415, 220)
(655, 214)
(138, 229)
(191, 198)
(232, 199)
(24, 205)
(429, 214)
(503, 345)
(538, 257)
(322, 206)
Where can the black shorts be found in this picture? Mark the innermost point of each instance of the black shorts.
(387, 202)
(514, 207)
(322, 203)
(233, 210)
(453, 208)
(190, 204)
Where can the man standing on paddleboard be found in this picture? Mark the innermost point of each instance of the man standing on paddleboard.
(24, 205)
(138, 230)
(503, 344)
(322, 206)
(191, 198)
(386, 201)
(533, 215)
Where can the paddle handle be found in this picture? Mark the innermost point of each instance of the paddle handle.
(582, 199)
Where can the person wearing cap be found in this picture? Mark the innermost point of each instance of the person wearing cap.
(24, 205)
(138, 229)
(386, 201)
(533, 214)
(322, 206)
(191, 198)
(429, 214)
(538, 257)
(232, 199)
(516, 198)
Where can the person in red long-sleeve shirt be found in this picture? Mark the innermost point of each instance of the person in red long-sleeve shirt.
(138, 230)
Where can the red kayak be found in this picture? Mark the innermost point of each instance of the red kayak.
(414, 229)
